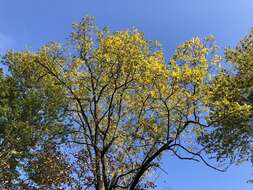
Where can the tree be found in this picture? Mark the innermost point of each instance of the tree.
(30, 115)
(234, 134)
(123, 106)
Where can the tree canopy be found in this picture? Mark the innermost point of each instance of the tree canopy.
(234, 134)
(101, 111)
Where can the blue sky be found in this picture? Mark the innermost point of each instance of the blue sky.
(29, 24)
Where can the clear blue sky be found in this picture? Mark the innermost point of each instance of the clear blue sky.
(31, 23)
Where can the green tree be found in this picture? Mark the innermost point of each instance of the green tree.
(127, 107)
(233, 135)
(30, 115)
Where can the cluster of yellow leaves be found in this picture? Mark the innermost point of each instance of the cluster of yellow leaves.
(189, 63)
(128, 54)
